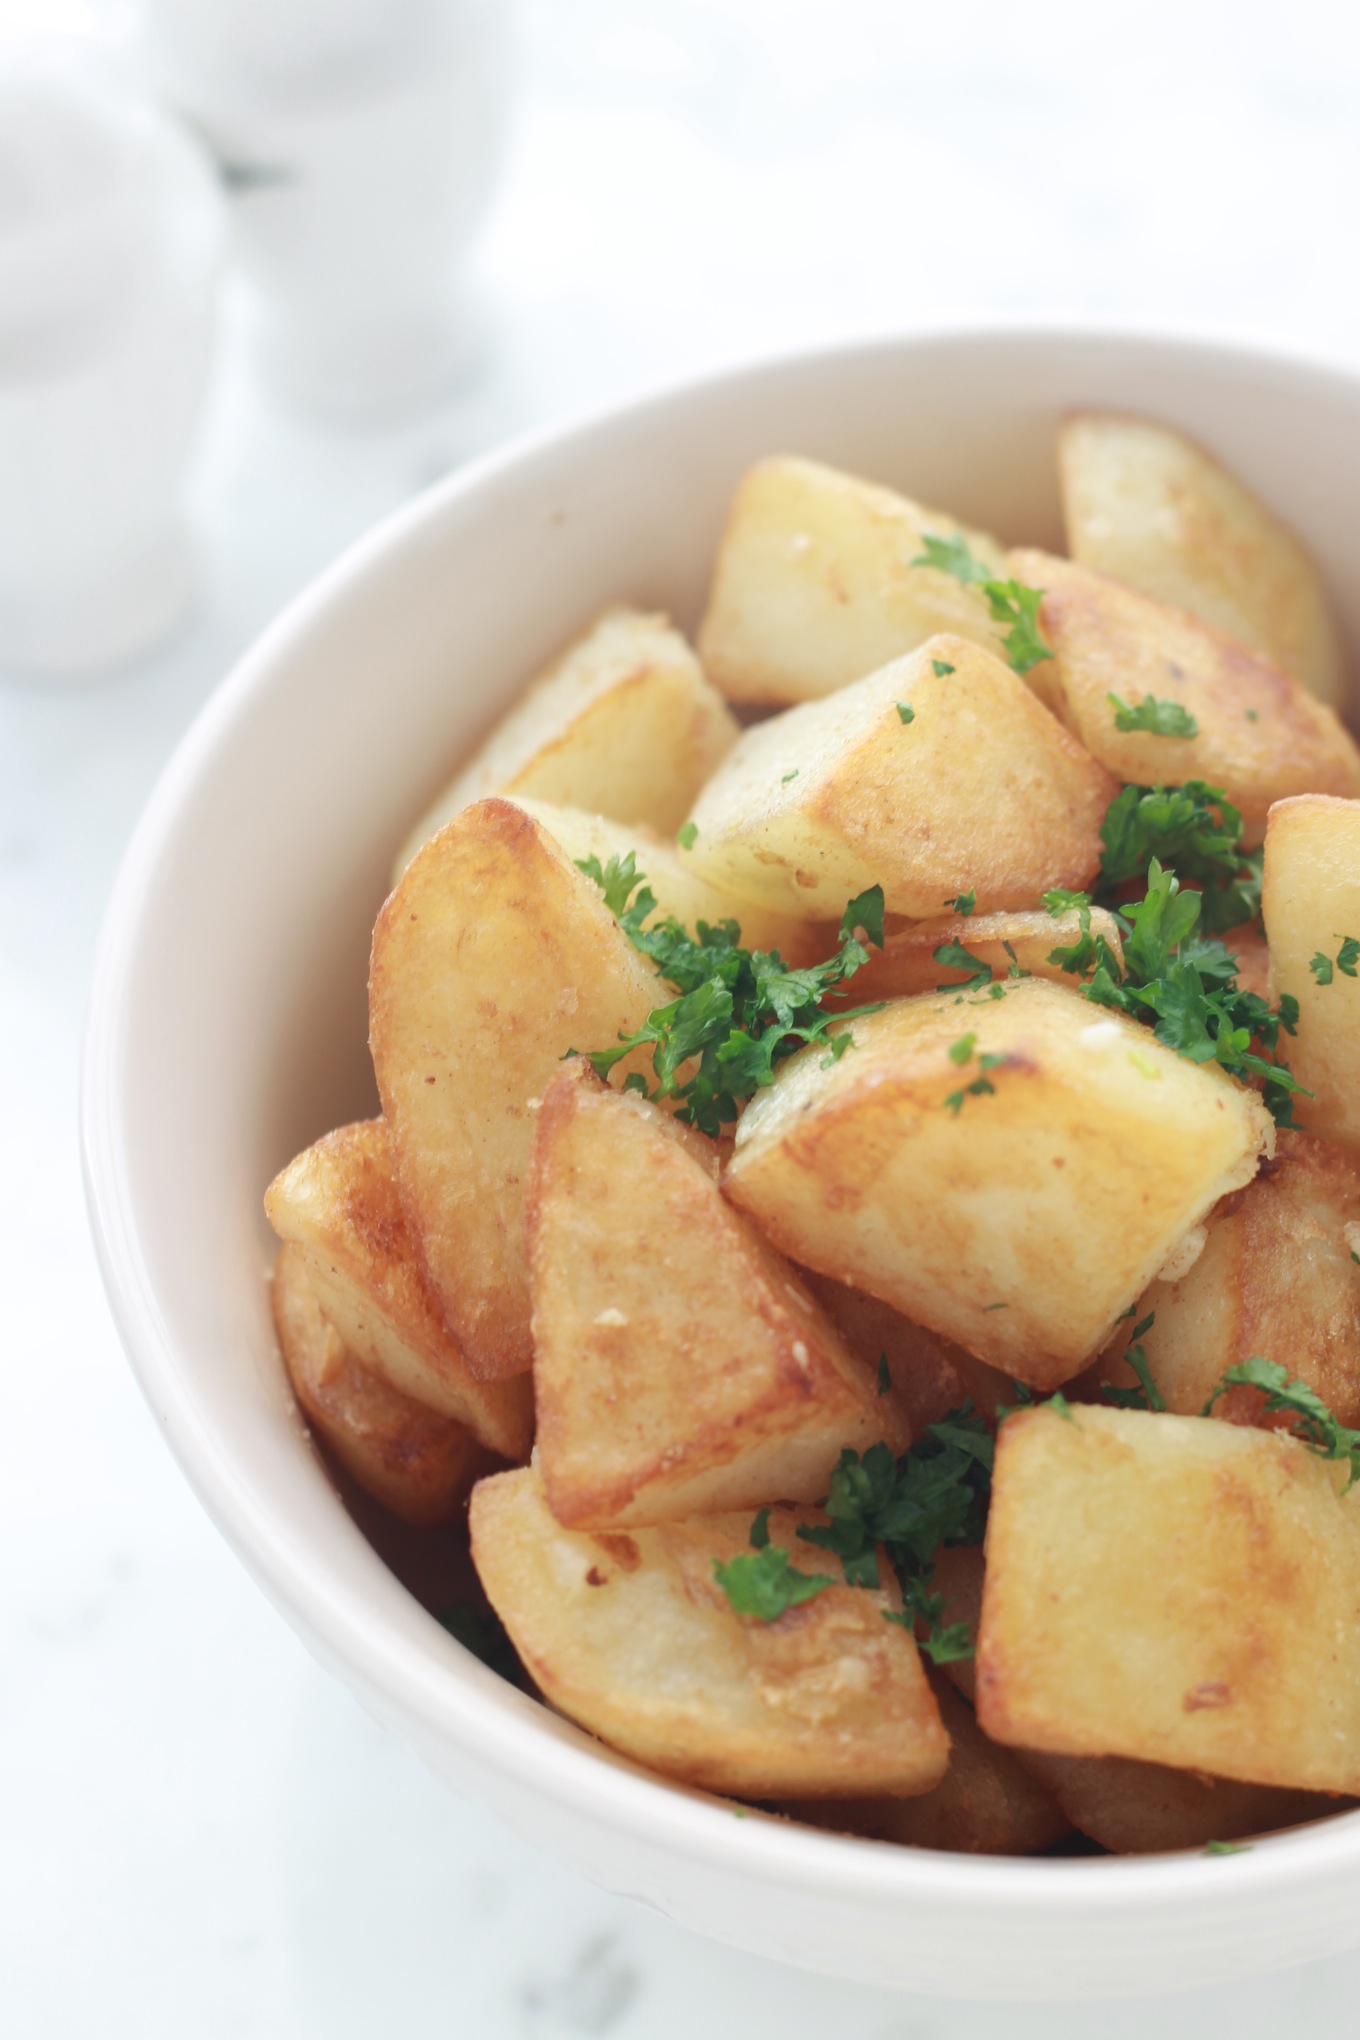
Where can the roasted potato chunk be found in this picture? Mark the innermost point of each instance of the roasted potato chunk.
(492, 959)
(680, 890)
(987, 1803)
(622, 723)
(1150, 507)
(1260, 734)
(1009, 944)
(1015, 1205)
(1277, 1277)
(815, 584)
(680, 1366)
(416, 1463)
(339, 1206)
(937, 775)
(628, 1633)
(1231, 1644)
(928, 1376)
(1311, 902)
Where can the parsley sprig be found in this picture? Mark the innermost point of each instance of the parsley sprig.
(1157, 718)
(740, 1011)
(1314, 1424)
(936, 1494)
(1145, 1395)
(1008, 602)
(765, 1583)
(1347, 958)
(1184, 983)
(1194, 830)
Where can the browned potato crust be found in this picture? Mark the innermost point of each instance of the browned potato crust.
(628, 1633)
(416, 1463)
(1230, 1645)
(980, 790)
(987, 1803)
(1277, 1277)
(814, 584)
(1261, 734)
(1311, 902)
(1022, 942)
(492, 959)
(1152, 508)
(929, 1375)
(338, 1204)
(680, 1366)
(1021, 1224)
(622, 723)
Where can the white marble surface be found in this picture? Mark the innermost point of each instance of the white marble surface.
(200, 1835)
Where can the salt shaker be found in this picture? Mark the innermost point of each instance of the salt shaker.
(111, 229)
(362, 139)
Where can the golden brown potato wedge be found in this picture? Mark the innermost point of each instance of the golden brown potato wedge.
(628, 1633)
(492, 959)
(622, 723)
(1173, 1590)
(1260, 735)
(1277, 1277)
(1018, 1218)
(1310, 898)
(1010, 945)
(680, 890)
(979, 790)
(339, 1206)
(929, 1376)
(987, 1803)
(1150, 507)
(416, 1463)
(815, 586)
(1128, 1807)
(680, 1366)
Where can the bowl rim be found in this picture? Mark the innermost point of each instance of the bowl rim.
(466, 1703)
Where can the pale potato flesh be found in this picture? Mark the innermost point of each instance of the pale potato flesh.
(1277, 1278)
(1260, 734)
(1021, 1224)
(1151, 507)
(1227, 1642)
(815, 584)
(338, 1204)
(629, 1634)
(415, 1462)
(1311, 902)
(492, 960)
(680, 1366)
(1011, 945)
(982, 790)
(622, 723)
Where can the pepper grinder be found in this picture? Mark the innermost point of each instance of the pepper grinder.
(111, 227)
(362, 141)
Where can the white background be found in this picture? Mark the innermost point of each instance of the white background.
(200, 1835)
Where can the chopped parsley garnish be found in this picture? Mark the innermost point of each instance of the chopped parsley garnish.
(964, 902)
(942, 668)
(982, 1086)
(788, 776)
(1314, 1425)
(760, 1530)
(1158, 718)
(1184, 984)
(1146, 1395)
(687, 835)
(905, 712)
(1347, 957)
(1227, 1848)
(1195, 831)
(740, 1011)
(884, 1377)
(936, 1494)
(953, 956)
(765, 1583)
(1008, 602)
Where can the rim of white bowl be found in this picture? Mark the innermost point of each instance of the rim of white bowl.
(476, 1710)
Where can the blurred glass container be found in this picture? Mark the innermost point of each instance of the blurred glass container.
(111, 230)
(362, 140)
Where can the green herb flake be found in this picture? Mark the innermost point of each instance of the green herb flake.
(962, 1050)
(1227, 1848)
(687, 835)
(1157, 718)
(789, 776)
(942, 668)
(953, 956)
(1321, 967)
(995, 1306)
(905, 712)
(765, 1584)
(759, 1537)
(1313, 1426)
(1251, 715)
(884, 1377)
(1008, 602)
(964, 902)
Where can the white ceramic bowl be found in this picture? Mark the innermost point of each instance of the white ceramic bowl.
(228, 1029)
